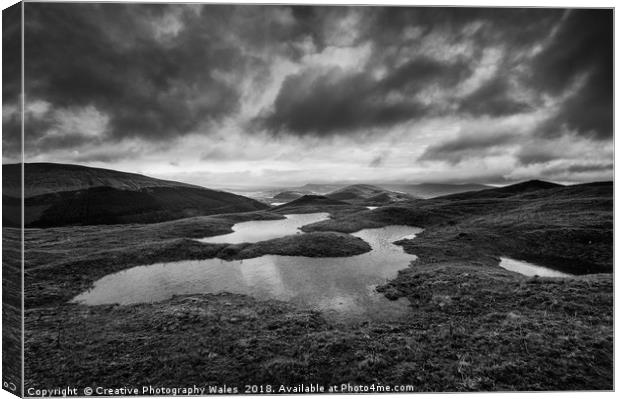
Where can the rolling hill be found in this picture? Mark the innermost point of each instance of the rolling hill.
(506, 191)
(320, 188)
(60, 195)
(311, 200)
(286, 196)
(395, 191)
(367, 194)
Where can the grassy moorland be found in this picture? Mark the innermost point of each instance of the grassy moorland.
(11, 309)
(472, 326)
(498, 333)
(568, 228)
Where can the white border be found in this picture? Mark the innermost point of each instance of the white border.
(457, 3)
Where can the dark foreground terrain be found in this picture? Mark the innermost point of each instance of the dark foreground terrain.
(472, 326)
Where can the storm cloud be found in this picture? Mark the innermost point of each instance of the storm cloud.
(580, 57)
(323, 102)
(219, 84)
(467, 146)
(143, 67)
(493, 98)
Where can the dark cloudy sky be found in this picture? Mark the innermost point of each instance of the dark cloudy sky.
(245, 95)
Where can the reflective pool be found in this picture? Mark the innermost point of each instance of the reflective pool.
(262, 230)
(530, 269)
(344, 288)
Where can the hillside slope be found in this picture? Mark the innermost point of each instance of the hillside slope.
(431, 190)
(47, 178)
(60, 195)
(506, 191)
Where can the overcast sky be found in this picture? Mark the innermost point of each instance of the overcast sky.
(261, 95)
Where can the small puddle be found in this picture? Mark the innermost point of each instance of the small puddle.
(343, 288)
(529, 269)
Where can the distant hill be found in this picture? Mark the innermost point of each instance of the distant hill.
(395, 191)
(430, 190)
(286, 196)
(530, 185)
(310, 200)
(367, 194)
(59, 195)
(507, 191)
(318, 188)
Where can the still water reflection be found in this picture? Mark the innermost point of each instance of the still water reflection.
(261, 230)
(530, 269)
(344, 288)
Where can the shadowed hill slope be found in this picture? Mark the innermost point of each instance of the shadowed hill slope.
(49, 178)
(60, 195)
